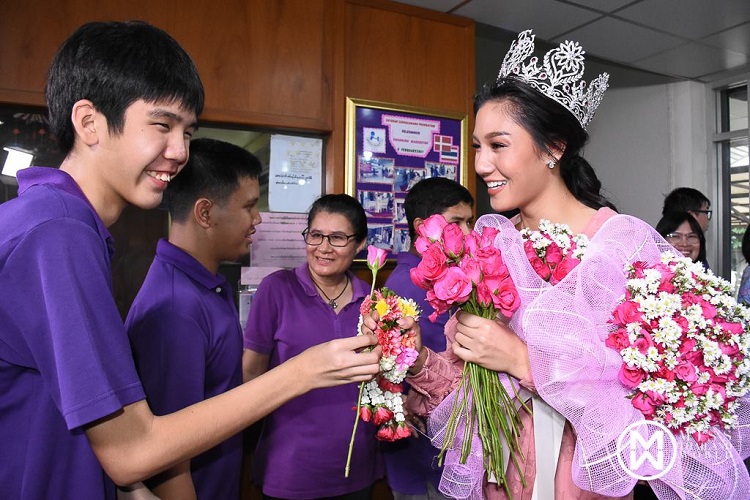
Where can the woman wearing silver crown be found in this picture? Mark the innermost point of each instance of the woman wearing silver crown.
(528, 136)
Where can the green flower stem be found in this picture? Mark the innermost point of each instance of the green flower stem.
(481, 401)
(354, 430)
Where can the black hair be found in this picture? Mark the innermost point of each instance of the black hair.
(214, 170)
(345, 205)
(433, 195)
(685, 199)
(550, 125)
(114, 64)
(673, 220)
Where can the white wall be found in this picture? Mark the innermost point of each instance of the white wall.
(630, 149)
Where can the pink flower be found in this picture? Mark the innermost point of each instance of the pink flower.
(453, 241)
(386, 433)
(433, 265)
(440, 306)
(644, 404)
(375, 257)
(562, 269)
(471, 267)
(630, 377)
(685, 371)
(628, 312)
(471, 243)
(365, 413)
(418, 278)
(432, 228)
(454, 287)
(701, 437)
(553, 255)
(484, 294)
(507, 299)
(618, 340)
(382, 415)
(491, 262)
(540, 267)
(421, 244)
(487, 238)
(402, 431)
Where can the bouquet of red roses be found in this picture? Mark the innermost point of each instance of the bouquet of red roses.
(467, 271)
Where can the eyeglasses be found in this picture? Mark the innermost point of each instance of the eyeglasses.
(709, 213)
(335, 239)
(691, 238)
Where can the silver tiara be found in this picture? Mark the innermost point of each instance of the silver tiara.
(559, 77)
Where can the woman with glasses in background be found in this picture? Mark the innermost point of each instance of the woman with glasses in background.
(682, 231)
(301, 451)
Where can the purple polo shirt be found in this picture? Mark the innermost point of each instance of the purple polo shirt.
(187, 344)
(65, 359)
(410, 463)
(303, 445)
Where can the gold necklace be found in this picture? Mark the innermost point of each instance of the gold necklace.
(331, 301)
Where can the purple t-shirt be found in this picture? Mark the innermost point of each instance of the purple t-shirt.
(65, 359)
(302, 448)
(410, 463)
(187, 344)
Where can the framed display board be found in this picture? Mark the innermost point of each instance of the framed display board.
(389, 148)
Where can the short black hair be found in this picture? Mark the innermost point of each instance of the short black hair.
(672, 220)
(685, 199)
(114, 64)
(213, 170)
(345, 205)
(431, 196)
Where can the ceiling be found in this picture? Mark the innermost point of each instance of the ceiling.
(702, 40)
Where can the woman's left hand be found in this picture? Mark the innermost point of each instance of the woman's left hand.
(490, 344)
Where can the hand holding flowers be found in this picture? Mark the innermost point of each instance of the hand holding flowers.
(380, 399)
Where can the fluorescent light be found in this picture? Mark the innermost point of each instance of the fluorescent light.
(17, 159)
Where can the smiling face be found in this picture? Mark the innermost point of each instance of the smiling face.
(685, 240)
(326, 262)
(233, 222)
(135, 167)
(507, 159)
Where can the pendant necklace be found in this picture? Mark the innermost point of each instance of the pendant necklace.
(332, 301)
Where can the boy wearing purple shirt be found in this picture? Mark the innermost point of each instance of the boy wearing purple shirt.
(184, 314)
(123, 100)
(411, 464)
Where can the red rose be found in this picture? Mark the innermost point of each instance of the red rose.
(365, 413)
(630, 377)
(382, 415)
(553, 255)
(506, 298)
(685, 371)
(540, 267)
(562, 269)
(618, 340)
(628, 312)
(644, 404)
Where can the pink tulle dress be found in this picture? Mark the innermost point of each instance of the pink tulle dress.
(564, 327)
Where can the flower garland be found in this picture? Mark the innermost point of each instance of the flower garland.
(685, 346)
(380, 400)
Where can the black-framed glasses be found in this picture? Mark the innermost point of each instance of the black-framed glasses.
(335, 239)
(676, 237)
(709, 213)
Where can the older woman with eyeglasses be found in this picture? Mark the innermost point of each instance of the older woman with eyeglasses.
(301, 452)
(683, 231)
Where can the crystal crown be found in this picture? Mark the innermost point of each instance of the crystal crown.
(559, 77)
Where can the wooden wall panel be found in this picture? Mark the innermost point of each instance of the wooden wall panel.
(265, 63)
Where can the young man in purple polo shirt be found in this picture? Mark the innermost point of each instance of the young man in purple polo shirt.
(411, 464)
(124, 100)
(184, 314)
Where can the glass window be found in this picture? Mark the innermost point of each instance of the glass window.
(734, 109)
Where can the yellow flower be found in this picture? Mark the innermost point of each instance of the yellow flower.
(382, 307)
(408, 308)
